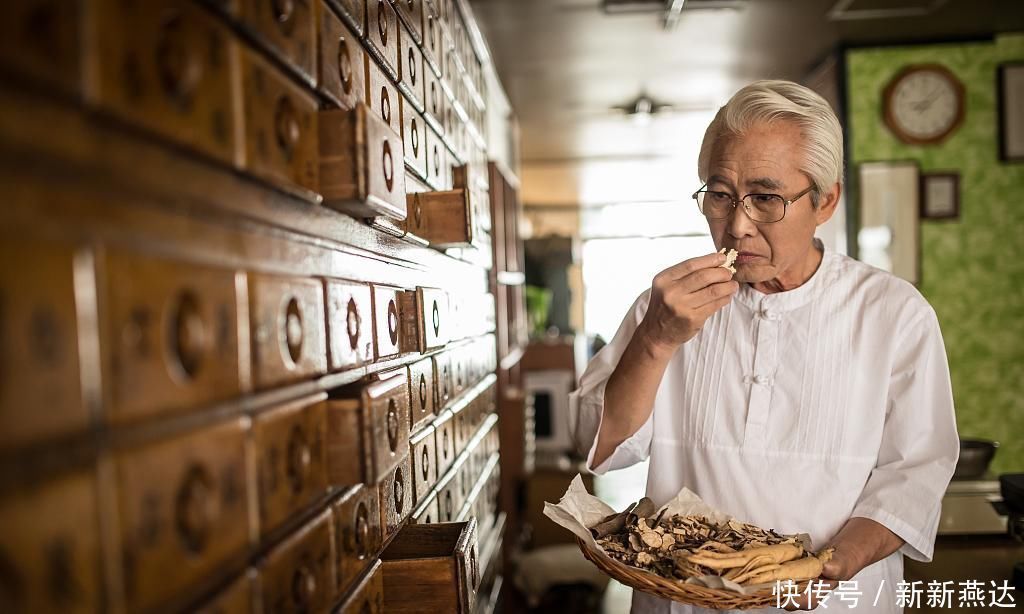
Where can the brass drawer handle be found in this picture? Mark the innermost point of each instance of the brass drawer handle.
(353, 322)
(392, 425)
(194, 509)
(398, 490)
(345, 66)
(436, 315)
(293, 330)
(300, 460)
(448, 505)
(304, 587)
(362, 533)
(382, 23)
(284, 12)
(189, 339)
(425, 463)
(177, 63)
(286, 127)
(412, 66)
(445, 444)
(437, 162)
(388, 162)
(423, 392)
(393, 321)
(414, 137)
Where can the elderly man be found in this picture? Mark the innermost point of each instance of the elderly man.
(807, 392)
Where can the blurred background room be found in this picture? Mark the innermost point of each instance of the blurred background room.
(294, 292)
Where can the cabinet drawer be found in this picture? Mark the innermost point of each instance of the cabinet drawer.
(353, 12)
(433, 45)
(50, 547)
(287, 27)
(443, 382)
(288, 329)
(183, 506)
(423, 449)
(414, 139)
(298, 575)
(280, 127)
(173, 331)
(357, 533)
(433, 568)
(291, 461)
(411, 14)
(382, 35)
(444, 428)
(361, 166)
(349, 324)
(169, 67)
(426, 511)
(448, 504)
(443, 218)
(411, 68)
(438, 172)
(387, 323)
(426, 316)
(382, 96)
(421, 392)
(368, 596)
(41, 39)
(39, 349)
(240, 597)
(341, 71)
(395, 492)
(368, 429)
(434, 100)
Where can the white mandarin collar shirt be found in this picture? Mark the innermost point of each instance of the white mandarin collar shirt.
(797, 411)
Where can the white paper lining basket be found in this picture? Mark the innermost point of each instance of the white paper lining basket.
(578, 510)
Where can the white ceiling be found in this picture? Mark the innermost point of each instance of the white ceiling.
(566, 64)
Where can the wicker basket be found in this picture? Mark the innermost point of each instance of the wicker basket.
(674, 590)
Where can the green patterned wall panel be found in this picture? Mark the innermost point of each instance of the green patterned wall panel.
(972, 268)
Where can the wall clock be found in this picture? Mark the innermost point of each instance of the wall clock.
(923, 104)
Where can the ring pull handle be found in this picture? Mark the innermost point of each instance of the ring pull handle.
(392, 425)
(293, 330)
(398, 490)
(345, 71)
(393, 321)
(436, 316)
(353, 323)
(382, 23)
(388, 163)
(423, 392)
(194, 508)
(286, 127)
(300, 460)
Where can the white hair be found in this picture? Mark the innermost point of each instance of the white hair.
(767, 101)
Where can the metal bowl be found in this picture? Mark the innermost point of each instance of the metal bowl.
(975, 456)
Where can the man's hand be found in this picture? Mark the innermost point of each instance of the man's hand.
(860, 543)
(683, 297)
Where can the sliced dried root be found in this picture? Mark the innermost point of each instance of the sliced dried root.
(807, 568)
(779, 553)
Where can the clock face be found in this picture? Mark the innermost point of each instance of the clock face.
(924, 105)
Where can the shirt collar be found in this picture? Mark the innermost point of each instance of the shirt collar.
(797, 297)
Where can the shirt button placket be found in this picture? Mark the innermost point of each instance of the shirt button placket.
(765, 364)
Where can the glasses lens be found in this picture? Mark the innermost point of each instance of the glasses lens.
(714, 205)
(765, 207)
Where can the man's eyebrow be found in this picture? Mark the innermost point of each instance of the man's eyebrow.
(719, 179)
(767, 183)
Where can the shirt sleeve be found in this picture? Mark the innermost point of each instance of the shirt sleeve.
(586, 403)
(920, 444)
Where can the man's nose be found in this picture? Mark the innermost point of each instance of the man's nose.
(739, 223)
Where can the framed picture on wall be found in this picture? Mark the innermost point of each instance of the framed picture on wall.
(890, 201)
(1011, 111)
(940, 196)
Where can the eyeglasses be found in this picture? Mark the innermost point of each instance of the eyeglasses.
(761, 208)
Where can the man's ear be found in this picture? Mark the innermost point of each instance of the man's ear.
(827, 204)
